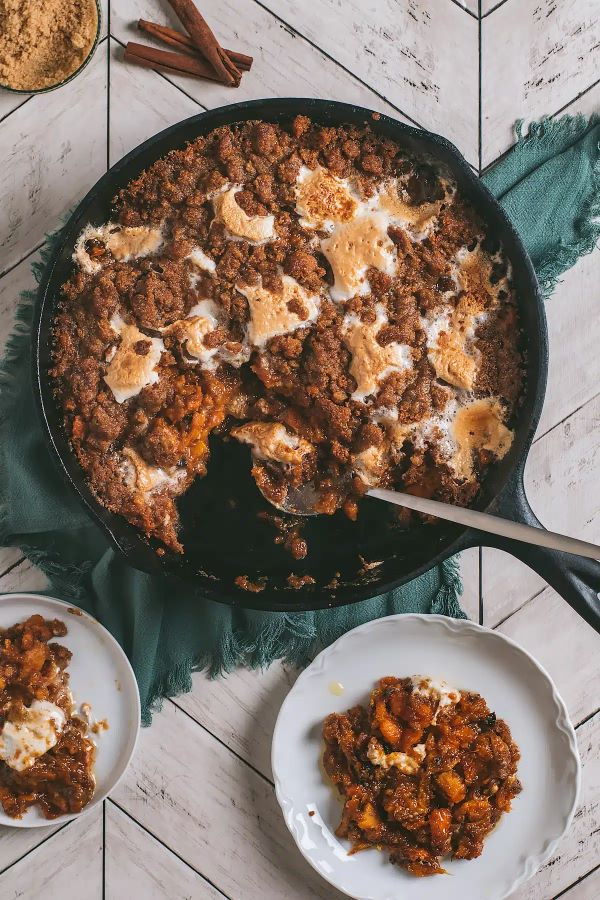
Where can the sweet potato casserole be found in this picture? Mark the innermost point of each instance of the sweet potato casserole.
(45, 756)
(425, 772)
(316, 293)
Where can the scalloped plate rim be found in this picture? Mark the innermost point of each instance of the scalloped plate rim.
(534, 861)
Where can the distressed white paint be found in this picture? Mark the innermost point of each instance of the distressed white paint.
(540, 627)
(537, 55)
(221, 816)
(579, 850)
(285, 65)
(422, 58)
(21, 577)
(587, 889)
(137, 88)
(53, 149)
(561, 480)
(128, 849)
(67, 865)
(184, 782)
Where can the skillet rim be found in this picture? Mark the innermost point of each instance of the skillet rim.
(123, 536)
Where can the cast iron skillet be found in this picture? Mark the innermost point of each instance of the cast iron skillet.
(220, 530)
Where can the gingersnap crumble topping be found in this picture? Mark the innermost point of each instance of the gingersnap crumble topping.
(321, 295)
(41, 44)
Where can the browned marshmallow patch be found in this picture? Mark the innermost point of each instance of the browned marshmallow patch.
(273, 314)
(123, 243)
(417, 218)
(371, 362)
(256, 229)
(145, 478)
(353, 247)
(272, 440)
(322, 198)
(451, 362)
(134, 364)
(479, 426)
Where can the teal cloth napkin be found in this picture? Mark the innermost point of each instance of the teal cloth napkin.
(548, 184)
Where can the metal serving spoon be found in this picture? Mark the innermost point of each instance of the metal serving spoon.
(302, 501)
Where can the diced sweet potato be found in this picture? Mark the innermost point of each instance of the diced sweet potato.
(440, 822)
(452, 786)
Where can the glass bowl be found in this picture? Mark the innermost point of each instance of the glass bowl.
(69, 78)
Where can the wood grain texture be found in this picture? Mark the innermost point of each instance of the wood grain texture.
(285, 65)
(143, 103)
(137, 865)
(572, 315)
(553, 48)
(67, 865)
(402, 52)
(241, 709)
(471, 6)
(220, 815)
(561, 483)
(579, 850)
(540, 627)
(488, 6)
(469, 572)
(10, 102)
(19, 279)
(52, 150)
(587, 889)
(23, 577)
(16, 843)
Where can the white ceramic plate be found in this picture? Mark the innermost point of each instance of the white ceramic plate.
(100, 675)
(469, 657)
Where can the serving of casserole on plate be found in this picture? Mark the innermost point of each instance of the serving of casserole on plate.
(69, 711)
(424, 768)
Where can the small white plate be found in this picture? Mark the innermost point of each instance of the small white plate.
(467, 656)
(100, 675)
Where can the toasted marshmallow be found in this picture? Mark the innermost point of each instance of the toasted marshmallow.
(407, 763)
(479, 426)
(200, 260)
(124, 243)
(354, 246)
(435, 689)
(23, 742)
(145, 478)
(255, 229)
(371, 362)
(323, 199)
(129, 371)
(417, 220)
(370, 465)
(272, 440)
(191, 331)
(271, 315)
(451, 361)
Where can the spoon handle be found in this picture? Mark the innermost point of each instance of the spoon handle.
(492, 524)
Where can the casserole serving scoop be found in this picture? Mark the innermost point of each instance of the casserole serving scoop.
(303, 501)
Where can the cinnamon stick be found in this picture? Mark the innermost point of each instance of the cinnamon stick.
(183, 42)
(179, 63)
(206, 42)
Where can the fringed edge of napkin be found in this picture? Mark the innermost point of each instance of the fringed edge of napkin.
(293, 638)
(565, 132)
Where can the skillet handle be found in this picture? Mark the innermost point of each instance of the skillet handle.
(575, 578)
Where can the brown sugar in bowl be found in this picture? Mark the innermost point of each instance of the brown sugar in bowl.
(44, 45)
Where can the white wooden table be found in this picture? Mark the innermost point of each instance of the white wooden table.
(196, 815)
